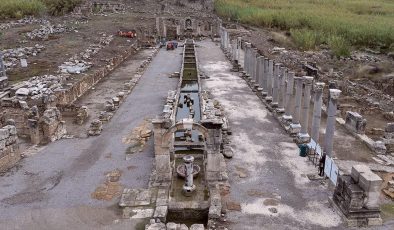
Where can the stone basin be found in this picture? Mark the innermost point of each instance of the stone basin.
(180, 170)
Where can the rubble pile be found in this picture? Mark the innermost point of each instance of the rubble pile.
(45, 30)
(39, 86)
(79, 63)
(53, 126)
(12, 57)
(95, 128)
(21, 22)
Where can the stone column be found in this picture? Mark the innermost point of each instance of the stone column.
(265, 77)
(331, 120)
(295, 126)
(269, 80)
(239, 43)
(261, 73)
(318, 101)
(158, 26)
(282, 90)
(188, 187)
(258, 71)
(247, 59)
(275, 93)
(178, 30)
(253, 65)
(303, 136)
(164, 29)
(287, 118)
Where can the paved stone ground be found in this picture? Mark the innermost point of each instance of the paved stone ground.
(267, 176)
(52, 189)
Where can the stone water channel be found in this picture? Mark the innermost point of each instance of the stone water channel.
(189, 165)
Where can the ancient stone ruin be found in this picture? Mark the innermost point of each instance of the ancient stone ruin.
(9, 147)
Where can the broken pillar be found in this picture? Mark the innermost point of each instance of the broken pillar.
(275, 92)
(303, 136)
(295, 126)
(287, 118)
(317, 104)
(270, 74)
(331, 121)
(282, 91)
(252, 77)
(355, 122)
(389, 138)
(188, 187)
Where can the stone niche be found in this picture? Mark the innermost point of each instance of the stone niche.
(355, 122)
(9, 147)
(357, 196)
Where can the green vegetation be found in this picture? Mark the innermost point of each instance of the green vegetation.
(21, 8)
(338, 23)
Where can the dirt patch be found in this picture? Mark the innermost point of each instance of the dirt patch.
(271, 202)
(111, 188)
(138, 137)
(233, 206)
(256, 193)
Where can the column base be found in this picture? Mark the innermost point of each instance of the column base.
(294, 129)
(274, 105)
(252, 81)
(280, 110)
(268, 99)
(264, 94)
(256, 86)
(286, 120)
(303, 138)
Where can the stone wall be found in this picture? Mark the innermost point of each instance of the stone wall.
(9, 148)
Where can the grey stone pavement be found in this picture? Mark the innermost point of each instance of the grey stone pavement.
(267, 177)
(52, 188)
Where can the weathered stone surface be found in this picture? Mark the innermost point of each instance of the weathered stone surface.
(197, 227)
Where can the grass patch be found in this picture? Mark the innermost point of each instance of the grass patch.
(345, 23)
(21, 8)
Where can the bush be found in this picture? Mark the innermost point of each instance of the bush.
(20, 8)
(60, 7)
(339, 46)
(305, 39)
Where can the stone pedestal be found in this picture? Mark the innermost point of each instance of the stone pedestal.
(357, 197)
(355, 122)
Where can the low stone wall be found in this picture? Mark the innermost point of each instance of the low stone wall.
(9, 148)
(68, 96)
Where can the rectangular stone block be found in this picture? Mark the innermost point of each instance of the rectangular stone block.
(369, 181)
(357, 170)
